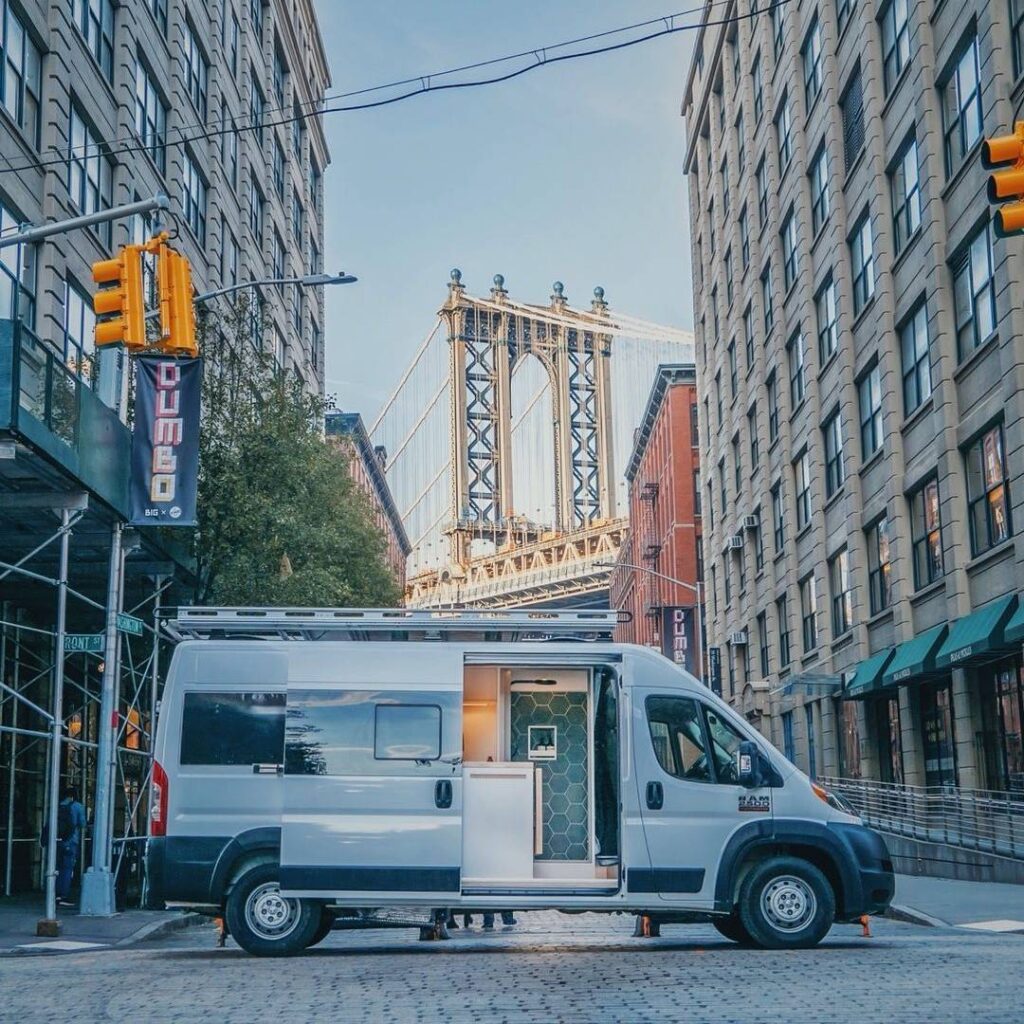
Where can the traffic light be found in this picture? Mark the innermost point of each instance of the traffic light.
(1009, 182)
(120, 301)
(177, 311)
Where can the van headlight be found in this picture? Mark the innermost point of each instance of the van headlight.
(834, 800)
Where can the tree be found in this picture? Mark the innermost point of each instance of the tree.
(280, 520)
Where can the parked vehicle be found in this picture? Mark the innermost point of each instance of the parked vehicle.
(303, 783)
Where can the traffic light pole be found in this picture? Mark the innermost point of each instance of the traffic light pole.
(60, 227)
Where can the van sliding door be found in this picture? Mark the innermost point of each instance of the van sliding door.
(373, 779)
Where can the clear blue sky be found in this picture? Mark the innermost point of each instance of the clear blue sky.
(571, 172)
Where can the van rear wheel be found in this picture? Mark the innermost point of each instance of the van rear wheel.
(263, 922)
(786, 903)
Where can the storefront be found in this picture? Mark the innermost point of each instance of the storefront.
(1002, 709)
(881, 704)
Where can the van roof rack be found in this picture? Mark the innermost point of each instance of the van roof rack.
(387, 624)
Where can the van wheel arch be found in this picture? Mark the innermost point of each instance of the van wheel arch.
(243, 864)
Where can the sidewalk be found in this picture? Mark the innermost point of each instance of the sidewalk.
(18, 917)
(943, 902)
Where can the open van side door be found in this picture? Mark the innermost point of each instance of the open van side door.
(373, 775)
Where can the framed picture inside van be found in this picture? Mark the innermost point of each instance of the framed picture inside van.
(543, 742)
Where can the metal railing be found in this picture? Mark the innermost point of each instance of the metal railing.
(973, 819)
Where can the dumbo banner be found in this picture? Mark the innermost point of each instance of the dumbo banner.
(165, 441)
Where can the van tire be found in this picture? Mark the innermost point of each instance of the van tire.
(325, 929)
(265, 924)
(731, 927)
(786, 903)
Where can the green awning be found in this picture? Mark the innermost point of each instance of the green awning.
(868, 677)
(1014, 631)
(980, 633)
(914, 657)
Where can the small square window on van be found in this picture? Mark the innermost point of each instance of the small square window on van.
(407, 732)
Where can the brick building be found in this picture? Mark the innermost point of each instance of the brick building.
(663, 543)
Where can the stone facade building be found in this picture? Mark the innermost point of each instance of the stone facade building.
(859, 360)
(106, 103)
(663, 543)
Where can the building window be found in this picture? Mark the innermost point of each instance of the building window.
(278, 168)
(298, 218)
(194, 198)
(762, 642)
(298, 121)
(696, 493)
(784, 132)
(748, 336)
(835, 469)
(782, 613)
(727, 266)
(778, 518)
(727, 580)
(196, 70)
(962, 117)
(974, 296)
(778, 30)
(895, 42)
(812, 760)
(879, 566)
(828, 320)
(90, 173)
(95, 20)
(844, 8)
(852, 105)
(773, 406)
(766, 298)
(15, 302)
(809, 614)
(694, 426)
(257, 205)
(842, 596)
(232, 44)
(737, 465)
(741, 143)
(733, 375)
(862, 256)
(21, 81)
(744, 237)
(277, 258)
(802, 480)
(725, 187)
(229, 255)
(916, 358)
(820, 206)
(762, 192)
(906, 193)
(158, 8)
(721, 483)
(257, 109)
(279, 76)
(755, 455)
(758, 542)
(811, 55)
(797, 370)
(718, 397)
(869, 397)
(790, 255)
(256, 18)
(926, 534)
(939, 739)
(712, 247)
(988, 499)
(736, 59)
(79, 332)
(150, 117)
(1017, 28)
(758, 86)
(229, 147)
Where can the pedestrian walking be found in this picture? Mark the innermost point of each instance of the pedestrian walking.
(70, 827)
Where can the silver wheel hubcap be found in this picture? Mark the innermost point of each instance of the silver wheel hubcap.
(269, 914)
(788, 903)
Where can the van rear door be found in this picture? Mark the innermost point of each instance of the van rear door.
(373, 777)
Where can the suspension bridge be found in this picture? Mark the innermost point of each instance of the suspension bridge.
(506, 440)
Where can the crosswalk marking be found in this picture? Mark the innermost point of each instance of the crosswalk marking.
(1000, 925)
(61, 946)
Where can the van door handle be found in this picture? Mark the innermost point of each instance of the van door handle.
(443, 793)
(655, 796)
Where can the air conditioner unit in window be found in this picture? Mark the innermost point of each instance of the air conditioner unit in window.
(751, 522)
(736, 542)
(738, 639)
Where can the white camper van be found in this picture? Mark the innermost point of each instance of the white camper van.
(478, 760)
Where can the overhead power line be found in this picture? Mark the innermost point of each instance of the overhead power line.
(541, 56)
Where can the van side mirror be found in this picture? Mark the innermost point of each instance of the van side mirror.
(748, 765)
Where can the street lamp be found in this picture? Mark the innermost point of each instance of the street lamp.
(697, 589)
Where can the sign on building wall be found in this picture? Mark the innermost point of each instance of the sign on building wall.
(165, 442)
(715, 669)
(677, 638)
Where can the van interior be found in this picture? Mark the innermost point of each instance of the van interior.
(540, 779)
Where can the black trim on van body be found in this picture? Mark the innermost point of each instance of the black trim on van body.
(331, 878)
(666, 880)
(863, 868)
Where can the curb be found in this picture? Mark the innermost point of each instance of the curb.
(908, 915)
(158, 928)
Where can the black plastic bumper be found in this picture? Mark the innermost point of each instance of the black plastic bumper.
(868, 883)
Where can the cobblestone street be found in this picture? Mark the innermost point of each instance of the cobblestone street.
(548, 968)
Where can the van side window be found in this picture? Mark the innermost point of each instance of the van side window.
(407, 732)
(678, 737)
(725, 742)
(232, 728)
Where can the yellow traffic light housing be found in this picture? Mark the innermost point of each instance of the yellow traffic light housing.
(1007, 183)
(177, 311)
(120, 302)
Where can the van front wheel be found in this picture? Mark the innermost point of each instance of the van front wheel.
(263, 922)
(786, 903)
